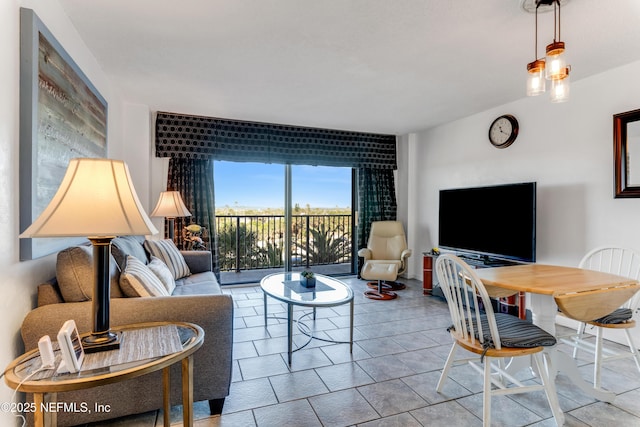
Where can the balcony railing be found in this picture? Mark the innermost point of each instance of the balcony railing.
(250, 242)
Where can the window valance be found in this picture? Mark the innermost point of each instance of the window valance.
(195, 137)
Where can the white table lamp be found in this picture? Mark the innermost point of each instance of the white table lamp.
(97, 200)
(170, 206)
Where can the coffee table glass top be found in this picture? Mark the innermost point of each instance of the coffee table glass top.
(286, 287)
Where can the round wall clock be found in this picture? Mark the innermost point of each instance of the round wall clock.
(503, 131)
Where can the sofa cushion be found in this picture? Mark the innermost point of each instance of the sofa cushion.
(167, 251)
(198, 284)
(163, 273)
(49, 293)
(75, 276)
(198, 261)
(128, 245)
(137, 280)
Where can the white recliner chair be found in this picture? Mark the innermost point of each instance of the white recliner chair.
(385, 257)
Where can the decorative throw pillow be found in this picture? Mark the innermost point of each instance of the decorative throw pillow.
(163, 273)
(167, 251)
(128, 245)
(74, 273)
(137, 280)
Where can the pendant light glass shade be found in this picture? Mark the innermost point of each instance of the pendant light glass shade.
(560, 88)
(555, 60)
(536, 78)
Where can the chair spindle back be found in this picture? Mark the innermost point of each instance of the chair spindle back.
(463, 291)
(615, 260)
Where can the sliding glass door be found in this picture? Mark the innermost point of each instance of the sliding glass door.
(280, 217)
(321, 217)
(249, 219)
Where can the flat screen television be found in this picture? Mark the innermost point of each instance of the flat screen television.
(493, 222)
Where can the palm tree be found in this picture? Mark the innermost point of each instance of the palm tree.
(232, 238)
(325, 246)
(271, 255)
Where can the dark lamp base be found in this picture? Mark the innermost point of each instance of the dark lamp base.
(95, 343)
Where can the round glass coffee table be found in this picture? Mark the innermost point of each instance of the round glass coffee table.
(328, 292)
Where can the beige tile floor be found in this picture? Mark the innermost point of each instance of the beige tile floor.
(390, 378)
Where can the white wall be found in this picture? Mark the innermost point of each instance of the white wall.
(19, 279)
(136, 151)
(159, 170)
(567, 148)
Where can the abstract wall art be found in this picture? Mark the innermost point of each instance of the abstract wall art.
(62, 116)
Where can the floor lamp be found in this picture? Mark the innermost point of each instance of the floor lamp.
(96, 199)
(170, 206)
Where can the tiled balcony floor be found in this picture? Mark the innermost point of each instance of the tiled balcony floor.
(389, 380)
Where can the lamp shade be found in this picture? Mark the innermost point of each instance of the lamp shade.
(96, 198)
(170, 205)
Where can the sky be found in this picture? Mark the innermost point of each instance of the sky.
(260, 185)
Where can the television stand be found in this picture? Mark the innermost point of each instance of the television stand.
(485, 261)
(514, 305)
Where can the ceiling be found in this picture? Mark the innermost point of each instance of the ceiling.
(387, 66)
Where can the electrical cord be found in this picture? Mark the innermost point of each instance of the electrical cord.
(27, 360)
(28, 377)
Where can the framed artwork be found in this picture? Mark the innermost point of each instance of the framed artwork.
(626, 154)
(62, 116)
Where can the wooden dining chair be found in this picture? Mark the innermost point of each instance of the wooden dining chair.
(492, 337)
(622, 262)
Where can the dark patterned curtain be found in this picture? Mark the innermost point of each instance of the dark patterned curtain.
(193, 178)
(376, 200)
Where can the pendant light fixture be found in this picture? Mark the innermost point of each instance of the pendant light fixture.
(555, 51)
(554, 66)
(535, 70)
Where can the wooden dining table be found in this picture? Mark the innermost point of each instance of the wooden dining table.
(579, 293)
